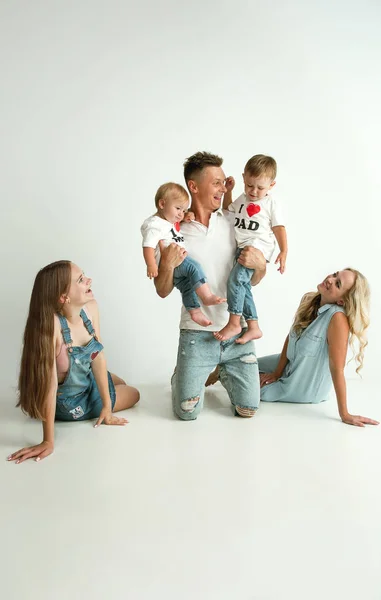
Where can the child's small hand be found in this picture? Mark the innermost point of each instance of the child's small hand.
(152, 271)
(229, 183)
(189, 216)
(281, 259)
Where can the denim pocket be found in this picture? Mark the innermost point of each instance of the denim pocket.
(72, 407)
(309, 344)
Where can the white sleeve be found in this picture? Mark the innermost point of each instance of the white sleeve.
(236, 205)
(276, 214)
(151, 235)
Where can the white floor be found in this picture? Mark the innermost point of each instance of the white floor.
(284, 506)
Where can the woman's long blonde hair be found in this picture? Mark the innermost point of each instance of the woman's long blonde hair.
(356, 306)
(38, 353)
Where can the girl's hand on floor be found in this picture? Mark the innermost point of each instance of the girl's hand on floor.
(37, 452)
(108, 418)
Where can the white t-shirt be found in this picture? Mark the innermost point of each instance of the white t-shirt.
(254, 221)
(155, 229)
(214, 248)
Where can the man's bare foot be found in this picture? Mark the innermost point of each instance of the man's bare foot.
(198, 317)
(209, 299)
(213, 378)
(253, 333)
(227, 332)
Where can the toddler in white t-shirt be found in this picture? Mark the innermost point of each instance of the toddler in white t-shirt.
(258, 223)
(172, 203)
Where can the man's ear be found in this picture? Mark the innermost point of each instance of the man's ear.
(192, 186)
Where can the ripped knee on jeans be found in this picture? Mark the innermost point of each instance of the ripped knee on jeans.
(190, 404)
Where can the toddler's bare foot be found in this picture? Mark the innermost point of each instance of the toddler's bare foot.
(227, 332)
(253, 333)
(213, 378)
(209, 299)
(212, 299)
(198, 317)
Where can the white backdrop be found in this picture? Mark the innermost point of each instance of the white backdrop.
(103, 100)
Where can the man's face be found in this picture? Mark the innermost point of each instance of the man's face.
(209, 187)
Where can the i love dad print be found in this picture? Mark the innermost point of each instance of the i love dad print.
(251, 210)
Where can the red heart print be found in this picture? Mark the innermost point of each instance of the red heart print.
(94, 355)
(253, 209)
(177, 226)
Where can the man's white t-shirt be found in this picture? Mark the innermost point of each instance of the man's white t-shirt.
(254, 221)
(214, 248)
(155, 229)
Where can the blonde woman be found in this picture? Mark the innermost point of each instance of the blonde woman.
(63, 374)
(314, 353)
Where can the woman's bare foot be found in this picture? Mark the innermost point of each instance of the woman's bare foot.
(198, 317)
(213, 378)
(209, 299)
(253, 333)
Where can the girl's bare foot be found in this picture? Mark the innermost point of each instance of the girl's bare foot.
(253, 333)
(227, 332)
(198, 317)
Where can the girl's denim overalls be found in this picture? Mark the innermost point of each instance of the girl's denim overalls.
(78, 396)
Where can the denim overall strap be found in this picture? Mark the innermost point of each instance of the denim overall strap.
(65, 331)
(88, 324)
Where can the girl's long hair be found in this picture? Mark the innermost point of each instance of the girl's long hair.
(356, 306)
(38, 353)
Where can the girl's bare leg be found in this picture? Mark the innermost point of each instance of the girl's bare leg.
(126, 396)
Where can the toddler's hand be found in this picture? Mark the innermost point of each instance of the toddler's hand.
(189, 216)
(152, 271)
(229, 183)
(281, 259)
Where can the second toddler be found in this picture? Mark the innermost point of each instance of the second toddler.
(258, 223)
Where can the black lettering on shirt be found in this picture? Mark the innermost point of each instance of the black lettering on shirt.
(176, 238)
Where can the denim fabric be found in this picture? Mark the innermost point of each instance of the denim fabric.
(306, 377)
(78, 396)
(187, 278)
(239, 296)
(198, 354)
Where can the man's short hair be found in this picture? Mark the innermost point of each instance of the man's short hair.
(195, 164)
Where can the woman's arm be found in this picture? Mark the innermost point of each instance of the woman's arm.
(266, 378)
(337, 337)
